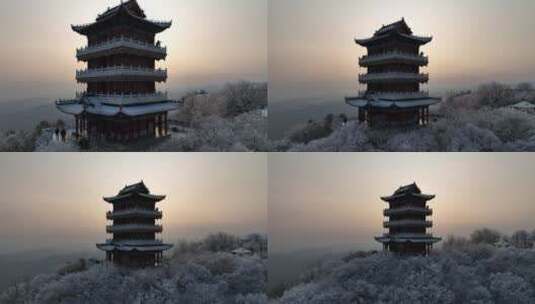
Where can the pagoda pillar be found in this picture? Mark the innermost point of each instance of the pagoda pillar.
(424, 120)
(130, 130)
(166, 127)
(421, 116)
(160, 125)
(138, 128)
(81, 125)
(362, 115)
(153, 126)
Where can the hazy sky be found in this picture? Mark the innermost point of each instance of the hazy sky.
(333, 200)
(53, 200)
(211, 42)
(312, 52)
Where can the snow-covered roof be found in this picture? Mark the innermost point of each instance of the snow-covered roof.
(523, 105)
(144, 195)
(242, 251)
(131, 5)
(410, 190)
(400, 25)
(380, 102)
(93, 106)
(72, 107)
(134, 242)
(396, 239)
(129, 248)
(138, 189)
(130, 9)
(400, 29)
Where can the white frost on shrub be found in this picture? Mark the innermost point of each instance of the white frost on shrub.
(347, 138)
(460, 274)
(205, 278)
(458, 130)
(246, 132)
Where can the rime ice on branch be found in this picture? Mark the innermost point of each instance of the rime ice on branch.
(134, 228)
(121, 102)
(407, 224)
(393, 97)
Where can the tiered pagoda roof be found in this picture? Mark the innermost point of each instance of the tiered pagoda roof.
(411, 190)
(407, 221)
(96, 107)
(129, 10)
(135, 190)
(135, 219)
(393, 78)
(377, 101)
(121, 101)
(399, 30)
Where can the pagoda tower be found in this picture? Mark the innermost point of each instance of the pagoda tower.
(393, 97)
(121, 102)
(134, 228)
(407, 222)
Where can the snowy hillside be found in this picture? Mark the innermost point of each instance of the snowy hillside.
(198, 272)
(467, 273)
(464, 122)
(231, 119)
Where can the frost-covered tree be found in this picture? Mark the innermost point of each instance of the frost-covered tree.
(463, 273)
(465, 122)
(244, 97)
(221, 242)
(197, 106)
(521, 239)
(495, 94)
(347, 138)
(203, 278)
(524, 86)
(511, 288)
(246, 132)
(485, 236)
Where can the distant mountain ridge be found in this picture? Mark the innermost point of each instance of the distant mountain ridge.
(25, 114)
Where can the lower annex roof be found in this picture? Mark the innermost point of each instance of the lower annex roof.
(129, 248)
(378, 102)
(77, 107)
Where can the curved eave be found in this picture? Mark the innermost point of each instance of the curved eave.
(360, 102)
(122, 49)
(426, 197)
(71, 107)
(357, 102)
(428, 240)
(126, 248)
(109, 110)
(120, 76)
(413, 38)
(118, 198)
(157, 198)
(394, 59)
(155, 27)
(366, 41)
